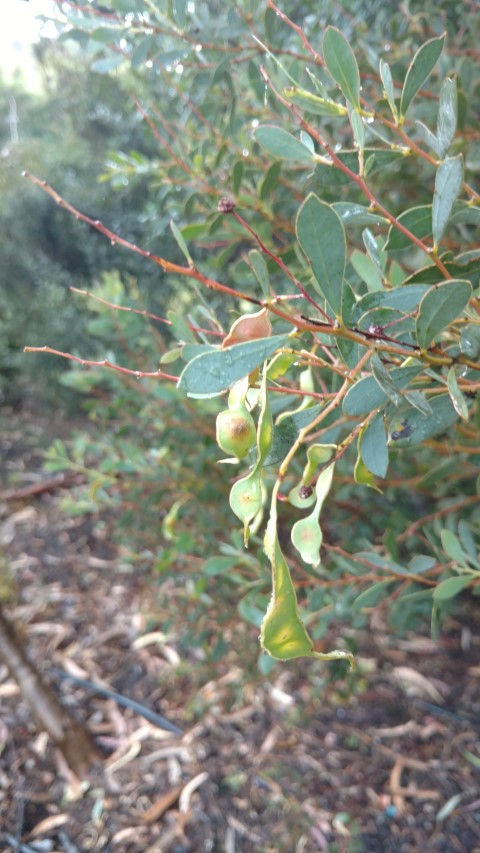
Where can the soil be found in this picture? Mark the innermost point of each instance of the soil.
(387, 759)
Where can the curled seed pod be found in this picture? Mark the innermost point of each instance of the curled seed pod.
(249, 327)
(236, 431)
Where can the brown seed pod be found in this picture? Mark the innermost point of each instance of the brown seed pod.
(249, 327)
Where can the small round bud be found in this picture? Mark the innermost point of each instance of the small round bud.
(225, 205)
(304, 492)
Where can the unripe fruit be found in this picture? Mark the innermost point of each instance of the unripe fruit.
(236, 431)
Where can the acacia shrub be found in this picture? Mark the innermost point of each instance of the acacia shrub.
(334, 295)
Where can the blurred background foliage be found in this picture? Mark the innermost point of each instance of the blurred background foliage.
(146, 116)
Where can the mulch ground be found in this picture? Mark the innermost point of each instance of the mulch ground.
(388, 760)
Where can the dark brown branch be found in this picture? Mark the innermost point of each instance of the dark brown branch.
(70, 737)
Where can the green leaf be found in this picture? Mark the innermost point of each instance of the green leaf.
(180, 242)
(467, 268)
(366, 270)
(259, 266)
(219, 565)
(388, 87)
(210, 373)
(367, 395)
(420, 427)
(282, 144)
(363, 476)
(470, 340)
(428, 137)
(237, 175)
(448, 183)
(456, 396)
(442, 304)
(322, 237)
(418, 220)
(447, 115)
(331, 175)
(270, 180)
(371, 596)
(103, 66)
(403, 299)
(286, 432)
(373, 447)
(418, 400)
(342, 65)
(314, 103)
(356, 214)
(451, 545)
(385, 380)
(450, 588)
(419, 69)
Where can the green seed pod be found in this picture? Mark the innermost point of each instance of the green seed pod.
(236, 432)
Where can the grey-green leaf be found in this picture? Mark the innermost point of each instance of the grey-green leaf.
(282, 144)
(342, 65)
(367, 394)
(357, 214)
(322, 237)
(419, 69)
(447, 115)
(210, 373)
(384, 379)
(180, 241)
(456, 396)
(441, 304)
(373, 447)
(418, 220)
(450, 588)
(448, 183)
(388, 86)
(420, 427)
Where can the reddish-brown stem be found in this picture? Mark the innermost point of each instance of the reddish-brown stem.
(139, 374)
(357, 179)
(143, 313)
(451, 508)
(115, 239)
(282, 266)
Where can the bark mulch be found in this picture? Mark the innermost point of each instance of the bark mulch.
(387, 760)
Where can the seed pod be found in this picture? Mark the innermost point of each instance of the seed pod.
(236, 431)
(249, 327)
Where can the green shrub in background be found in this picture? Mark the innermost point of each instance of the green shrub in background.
(317, 173)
